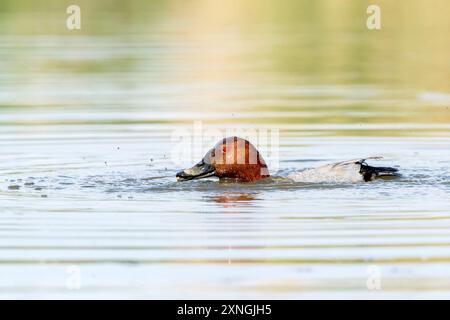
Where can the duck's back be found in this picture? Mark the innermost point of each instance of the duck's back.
(343, 172)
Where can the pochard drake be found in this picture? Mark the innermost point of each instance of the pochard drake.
(237, 159)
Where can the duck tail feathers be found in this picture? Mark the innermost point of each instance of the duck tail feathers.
(370, 173)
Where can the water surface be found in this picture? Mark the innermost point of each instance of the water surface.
(89, 204)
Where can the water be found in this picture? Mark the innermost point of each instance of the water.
(89, 204)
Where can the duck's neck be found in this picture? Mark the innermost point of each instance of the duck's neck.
(259, 173)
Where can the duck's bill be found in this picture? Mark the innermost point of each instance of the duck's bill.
(199, 171)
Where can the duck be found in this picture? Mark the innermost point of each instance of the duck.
(237, 159)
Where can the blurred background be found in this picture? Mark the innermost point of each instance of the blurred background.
(310, 61)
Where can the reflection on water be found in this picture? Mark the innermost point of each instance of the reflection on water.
(86, 120)
(233, 199)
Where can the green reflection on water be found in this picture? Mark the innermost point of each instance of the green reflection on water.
(218, 48)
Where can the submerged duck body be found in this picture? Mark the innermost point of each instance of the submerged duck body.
(236, 158)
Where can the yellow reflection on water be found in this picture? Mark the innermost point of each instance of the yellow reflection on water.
(225, 53)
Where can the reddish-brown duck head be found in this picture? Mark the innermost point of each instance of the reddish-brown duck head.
(233, 158)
